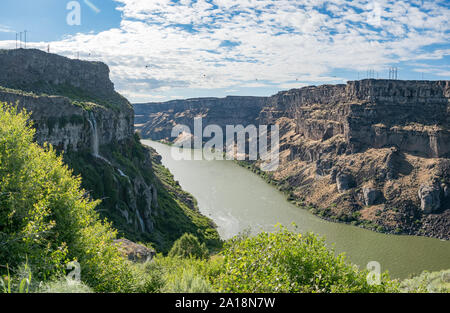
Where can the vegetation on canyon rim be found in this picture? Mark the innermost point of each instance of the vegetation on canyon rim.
(46, 221)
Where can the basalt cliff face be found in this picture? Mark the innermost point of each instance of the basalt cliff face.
(67, 126)
(35, 70)
(65, 98)
(156, 120)
(374, 153)
(74, 107)
(411, 115)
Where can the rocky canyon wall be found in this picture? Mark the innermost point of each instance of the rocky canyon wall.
(67, 126)
(373, 153)
(156, 120)
(410, 115)
(74, 107)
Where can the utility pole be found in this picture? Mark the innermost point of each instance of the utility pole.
(371, 74)
(20, 41)
(17, 37)
(393, 73)
(25, 39)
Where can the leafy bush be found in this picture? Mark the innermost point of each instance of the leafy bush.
(428, 282)
(46, 220)
(22, 282)
(285, 261)
(149, 277)
(188, 246)
(186, 274)
(189, 282)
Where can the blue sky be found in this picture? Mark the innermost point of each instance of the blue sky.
(167, 49)
(46, 19)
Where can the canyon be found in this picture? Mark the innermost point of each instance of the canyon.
(164, 116)
(373, 153)
(74, 107)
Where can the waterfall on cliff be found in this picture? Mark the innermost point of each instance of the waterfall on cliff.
(141, 221)
(95, 144)
(95, 141)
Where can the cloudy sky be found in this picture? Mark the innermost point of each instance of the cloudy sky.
(166, 49)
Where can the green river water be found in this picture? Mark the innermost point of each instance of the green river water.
(237, 200)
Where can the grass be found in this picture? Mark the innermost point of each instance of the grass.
(64, 285)
(76, 96)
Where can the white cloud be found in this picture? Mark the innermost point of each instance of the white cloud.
(279, 41)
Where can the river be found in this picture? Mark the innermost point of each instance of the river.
(238, 200)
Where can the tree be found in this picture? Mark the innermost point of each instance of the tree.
(189, 246)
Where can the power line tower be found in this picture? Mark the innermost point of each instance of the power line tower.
(393, 73)
(371, 74)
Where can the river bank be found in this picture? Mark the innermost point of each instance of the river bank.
(237, 200)
(323, 214)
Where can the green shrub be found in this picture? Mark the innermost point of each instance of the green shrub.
(46, 220)
(285, 261)
(428, 282)
(380, 229)
(186, 274)
(189, 246)
(188, 282)
(149, 277)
